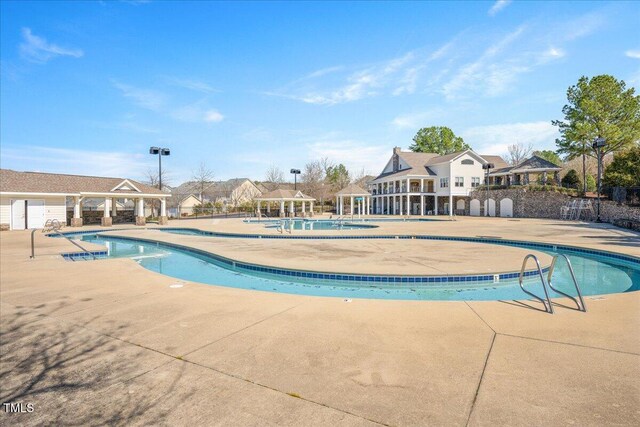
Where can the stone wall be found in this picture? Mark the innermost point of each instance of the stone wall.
(95, 217)
(547, 204)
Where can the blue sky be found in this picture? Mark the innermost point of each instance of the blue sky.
(87, 87)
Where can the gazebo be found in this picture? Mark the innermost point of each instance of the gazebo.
(281, 197)
(355, 194)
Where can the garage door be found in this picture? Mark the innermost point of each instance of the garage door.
(27, 214)
(35, 213)
(506, 208)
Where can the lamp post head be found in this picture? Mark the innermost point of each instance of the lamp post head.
(599, 142)
(154, 150)
(488, 166)
(165, 152)
(295, 171)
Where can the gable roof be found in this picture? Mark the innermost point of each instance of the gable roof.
(282, 194)
(353, 190)
(535, 162)
(39, 182)
(497, 161)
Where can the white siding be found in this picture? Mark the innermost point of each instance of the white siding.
(465, 171)
(54, 208)
(5, 210)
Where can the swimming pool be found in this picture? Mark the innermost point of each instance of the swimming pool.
(597, 273)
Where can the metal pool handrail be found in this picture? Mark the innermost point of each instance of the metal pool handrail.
(547, 304)
(580, 304)
(54, 226)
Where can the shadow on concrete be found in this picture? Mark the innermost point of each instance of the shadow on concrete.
(74, 376)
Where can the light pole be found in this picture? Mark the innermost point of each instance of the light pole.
(597, 145)
(160, 152)
(295, 173)
(487, 167)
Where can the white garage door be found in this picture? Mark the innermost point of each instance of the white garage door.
(492, 207)
(18, 214)
(35, 213)
(474, 207)
(506, 208)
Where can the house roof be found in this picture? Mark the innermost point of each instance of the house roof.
(534, 163)
(285, 195)
(353, 190)
(497, 161)
(37, 182)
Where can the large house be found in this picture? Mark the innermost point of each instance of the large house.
(428, 183)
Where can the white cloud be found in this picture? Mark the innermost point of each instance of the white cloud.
(323, 72)
(74, 161)
(37, 49)
(554, 52)
(418, 120)
(582, 26)
(192, 84)
(145, 98)
(498, 6)
(355, 155)
(213, 116)
(635, 54)
(494, 139)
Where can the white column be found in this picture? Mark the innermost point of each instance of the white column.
(77, 213)
(311, 207)
(400, 204)
(114, 208)
(140, 207)
(450, 203)
(421, 204)
(352, 205)
(304, 210)
(163, 207)
(259, 212)
(292, 208)
(341, 206)
(268, 206)
(282, 212)
(435, 204)
(106, 207)
(422, 185)
(408, 187)
(408, 205)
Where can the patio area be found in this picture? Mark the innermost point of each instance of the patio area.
(110, 342)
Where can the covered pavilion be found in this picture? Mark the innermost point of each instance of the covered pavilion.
(281, 197)
(357, 194)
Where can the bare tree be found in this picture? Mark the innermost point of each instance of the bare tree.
(151, 178)
(273, 177)
(202, 178)
(519, 152)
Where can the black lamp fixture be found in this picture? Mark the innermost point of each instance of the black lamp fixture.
(487, 167)
(160, 152)
(598, 144)
(295, 173)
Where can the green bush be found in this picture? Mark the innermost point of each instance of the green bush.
(571, 179)
(591, 183)
(624, 170)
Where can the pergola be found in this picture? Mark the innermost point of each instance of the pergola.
(354, 193)
(282, 197)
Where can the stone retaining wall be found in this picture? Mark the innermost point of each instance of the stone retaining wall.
(547, 204)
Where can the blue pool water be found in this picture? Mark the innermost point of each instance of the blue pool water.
(595, 273)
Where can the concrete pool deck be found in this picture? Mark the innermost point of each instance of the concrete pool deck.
(111, 342)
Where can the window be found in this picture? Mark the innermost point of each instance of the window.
(444, 182)
(467, 162)
(475, 181)
(459, 181)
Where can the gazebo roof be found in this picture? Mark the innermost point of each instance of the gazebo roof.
(285, 195)
(353, 190)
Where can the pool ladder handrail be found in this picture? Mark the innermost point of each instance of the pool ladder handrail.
(547, 304)
(54, 226)
(581, 306)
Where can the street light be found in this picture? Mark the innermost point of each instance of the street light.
(487, 167)
(160, 152)
(597, 145)
(295, 173)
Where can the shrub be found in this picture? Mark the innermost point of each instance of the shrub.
(571, 179)
(591, 183)
(624, 170)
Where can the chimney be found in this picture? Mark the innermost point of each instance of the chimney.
(396, 150)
